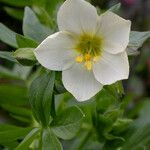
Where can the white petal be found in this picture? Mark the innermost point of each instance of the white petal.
(80, 82)
(111, 68)
(115, 32)
(77, 16)
(55, 52)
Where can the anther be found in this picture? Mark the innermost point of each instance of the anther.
(87, 57)
(79, 59)
(88, 65)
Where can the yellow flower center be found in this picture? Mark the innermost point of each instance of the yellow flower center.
(90, 49)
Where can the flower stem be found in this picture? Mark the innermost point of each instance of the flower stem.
(53, 111)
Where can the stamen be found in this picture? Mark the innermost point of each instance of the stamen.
(88, 65)
(87, 57)
(79, 59)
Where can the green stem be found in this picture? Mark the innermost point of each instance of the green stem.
(53, 111)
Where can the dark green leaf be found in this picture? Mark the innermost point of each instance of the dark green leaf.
(17, 2)
(8, 36)
(21, 72)
(14, 12)
(40, 95)
(104, 100)
(25, 42)
(9, 133)
(139, 139)
(115, 8)
(25, 56)
(50, 141)
(24, 145)
(32, 27)
(139, 132)
(67, 124)
(7, 55)
(136, 41)
(19, 113)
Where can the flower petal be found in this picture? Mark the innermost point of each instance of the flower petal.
(111, 68)
(80, 82)
(115, 32)
(55, 52)
(77, 16)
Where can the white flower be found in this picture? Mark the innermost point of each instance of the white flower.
(89, 49)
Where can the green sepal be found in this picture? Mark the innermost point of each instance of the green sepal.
(25, 56)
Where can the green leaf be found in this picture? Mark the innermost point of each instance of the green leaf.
(140, 138)
(121, 125)
(112, 137)
(32, 27)
(104, 101)
(136, 41)
(6, 73)
(50, 141)
(8, 36)
(49, 6)
(19, 113)
(19, 3)
(8, 56)
(17, 94)
(14, 12)
(139, 132)
(24, 145)
(44, 17)
(67, 123)
(25, 42)
(40, 95)
(115, 8)
(21, 72)
(9, 133)
(25, 56)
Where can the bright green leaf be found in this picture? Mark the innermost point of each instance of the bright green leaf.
(25, 42)
(121, 125)
(50, 141)
(67, 123)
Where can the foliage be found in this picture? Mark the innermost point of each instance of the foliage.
(41, 114)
